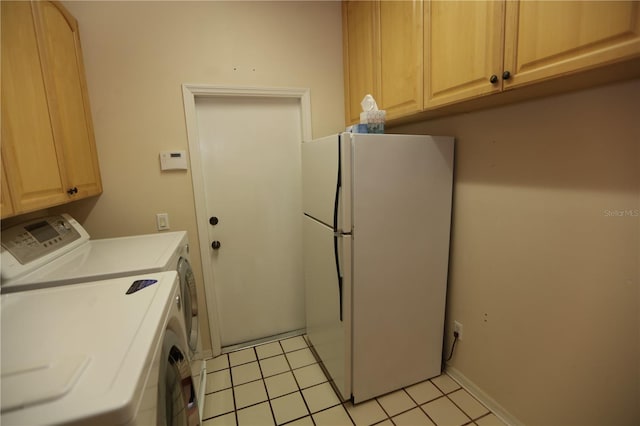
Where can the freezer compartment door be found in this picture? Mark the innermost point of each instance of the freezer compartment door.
(328, 300)
(326, 194)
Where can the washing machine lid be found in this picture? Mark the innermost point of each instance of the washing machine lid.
(104, 259)
(81, 352)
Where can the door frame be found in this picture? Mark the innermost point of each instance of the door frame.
(189, 94)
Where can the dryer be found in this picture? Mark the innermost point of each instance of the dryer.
(100, 353)
(56, 250)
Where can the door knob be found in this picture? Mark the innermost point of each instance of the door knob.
(213, 220)
(493, 79)
(215, 245)
(506, 75)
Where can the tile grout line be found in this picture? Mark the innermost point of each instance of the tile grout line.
(233, 392)
(463, 410)
(295, 379)
(444, 395)
(420, 406)
(266, 391)
(269, 399)
(348, 413)
(342, 404)
(461, 388)
(298, 384)
(329, 407)
(269, 377)
(383, 409)
(458, 407)
(222, 390)
(485, 415)
(382, 421)
(378, 404)
(412, 408)
(339, 404)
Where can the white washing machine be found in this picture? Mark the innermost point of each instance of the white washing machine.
(57, 250)
(101, 353)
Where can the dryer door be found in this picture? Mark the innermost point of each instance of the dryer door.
(190, 298)
(177, 404)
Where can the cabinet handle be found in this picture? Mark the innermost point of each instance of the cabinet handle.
(506, 75)
(72, 191)
(493, 79)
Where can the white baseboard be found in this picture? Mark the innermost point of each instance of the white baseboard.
(483, 397)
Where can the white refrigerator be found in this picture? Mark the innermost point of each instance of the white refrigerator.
(377, 217)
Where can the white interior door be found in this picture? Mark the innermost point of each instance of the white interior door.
(250, 164)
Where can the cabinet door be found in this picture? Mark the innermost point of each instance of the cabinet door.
(546, 39)
(401, 56)
(6, 206)
(58, 34)
(463, 49)
(359, 32)
(29, 152)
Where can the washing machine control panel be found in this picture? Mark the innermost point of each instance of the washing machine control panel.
(39, 237)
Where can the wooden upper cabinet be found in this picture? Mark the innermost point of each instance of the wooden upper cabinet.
(401, 53)
(382, 47)
(30, 155)
(545, 39)
(360, 55)
(6, 205)
(47, 137)
(423, 55)
(462, 50)
(482, 47)
(65, 77)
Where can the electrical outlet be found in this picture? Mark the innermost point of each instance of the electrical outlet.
(457, 327)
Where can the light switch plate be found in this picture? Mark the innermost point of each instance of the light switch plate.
(162, 220)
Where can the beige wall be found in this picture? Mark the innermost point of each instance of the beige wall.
(137, 55)
(545, 255)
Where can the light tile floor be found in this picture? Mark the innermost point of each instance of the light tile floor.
(281, 382)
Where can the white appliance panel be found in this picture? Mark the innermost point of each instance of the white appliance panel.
(401, 213)
(104, 259)
(328, 328)
(84, 364)
(397, 193)
(85, 260)
(43, 252)
(321, 161)
(110, 258)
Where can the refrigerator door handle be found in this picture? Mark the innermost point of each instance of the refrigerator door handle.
(336, 200)
(336, 251)
(336, 232)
